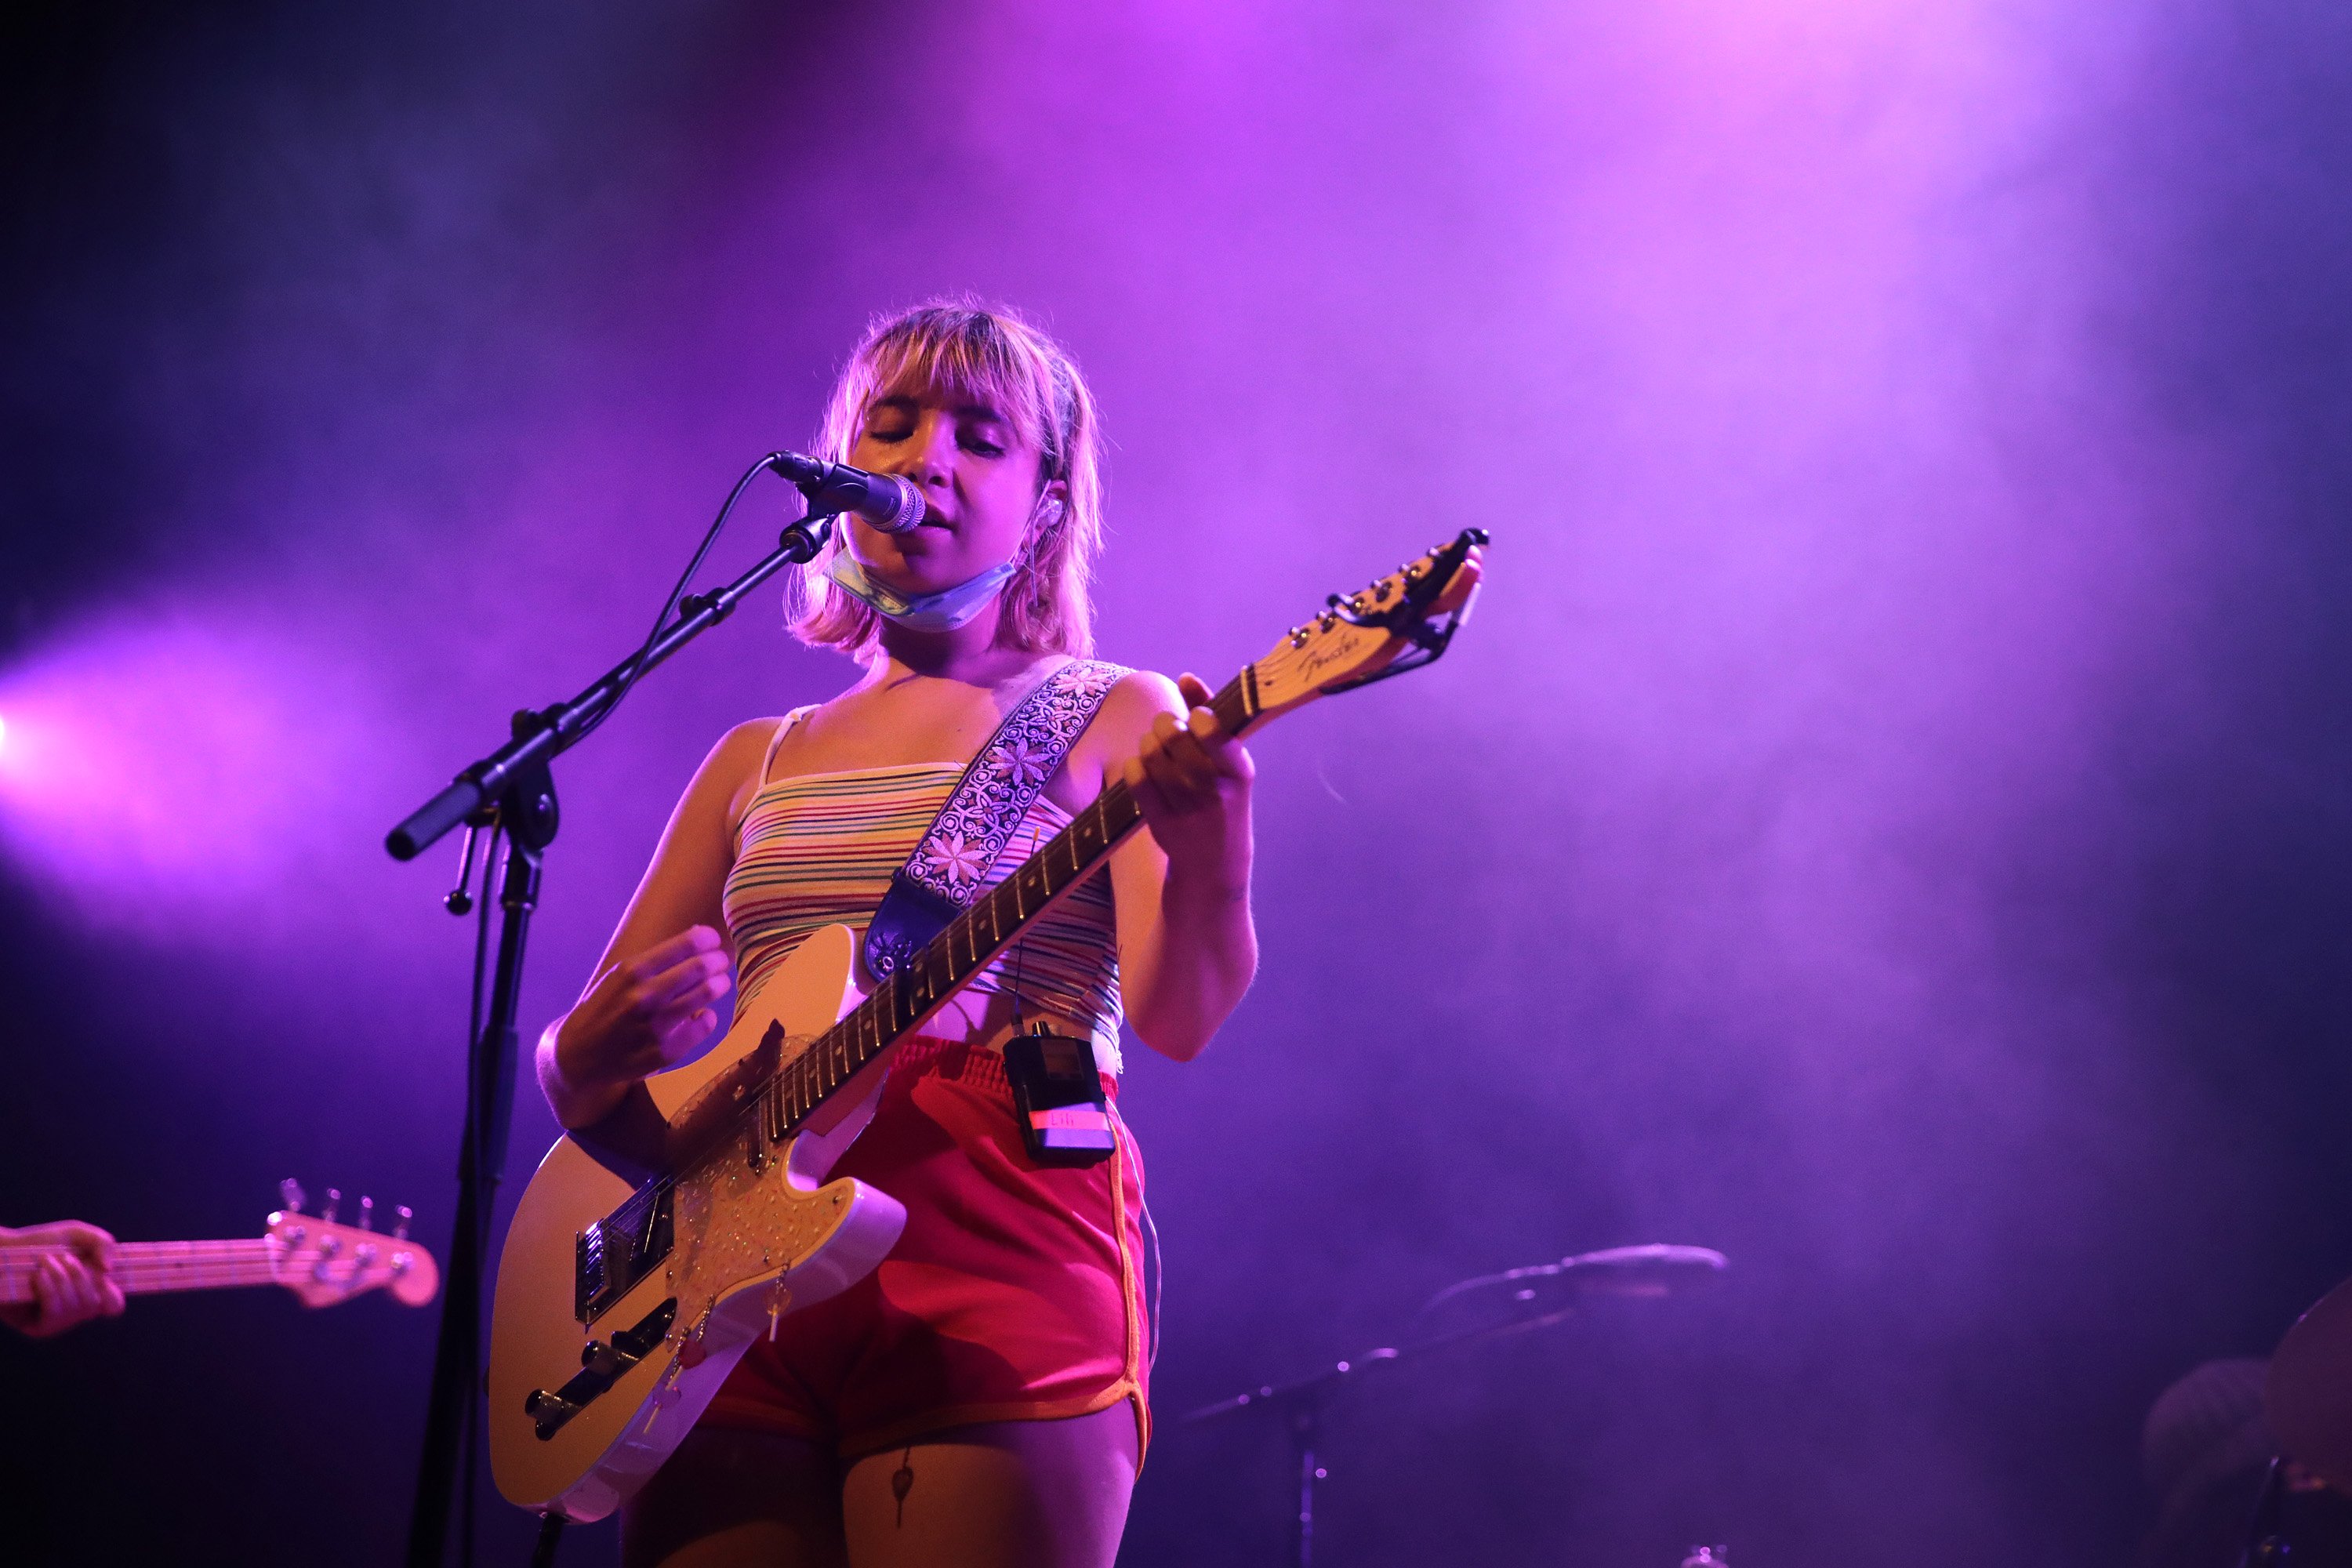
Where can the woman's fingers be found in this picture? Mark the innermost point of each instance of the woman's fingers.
(95, 1246)
(71, 1285)
(684, 945)
(68, 1294)
(667, 991)
(628, 1025)
(1187, 761)
(654, 984)
(1196, 739)
(686, 1033)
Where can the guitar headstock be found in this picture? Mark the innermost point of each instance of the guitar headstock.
(325, 1263)
(1400, 623)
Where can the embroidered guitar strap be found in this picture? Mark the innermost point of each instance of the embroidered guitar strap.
(950, 863)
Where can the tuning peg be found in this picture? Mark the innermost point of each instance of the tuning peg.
(400, 1222)
(367, 1213)
(290, 1195)
(334, 1198)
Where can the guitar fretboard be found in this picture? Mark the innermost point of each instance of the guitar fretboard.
(142, 1267)
(971, 942)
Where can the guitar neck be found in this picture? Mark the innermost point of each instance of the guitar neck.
(144, 1268)
(971, 942)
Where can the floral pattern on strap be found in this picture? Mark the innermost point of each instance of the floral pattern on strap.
(997, 790)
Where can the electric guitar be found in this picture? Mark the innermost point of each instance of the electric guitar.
(323, 1263)
(630, 1283)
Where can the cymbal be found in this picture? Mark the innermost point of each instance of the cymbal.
(2309, 1395)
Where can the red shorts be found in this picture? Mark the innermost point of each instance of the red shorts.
(1016, 1293)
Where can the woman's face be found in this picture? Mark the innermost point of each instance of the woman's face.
(979, 479)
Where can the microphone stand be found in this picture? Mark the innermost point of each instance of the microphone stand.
(512, 791)
(1302, 1402)
(1608, 1272)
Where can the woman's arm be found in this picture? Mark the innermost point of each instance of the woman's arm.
(1187, 947)
(653, 999)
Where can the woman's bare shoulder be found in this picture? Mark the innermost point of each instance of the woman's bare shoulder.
(749, 739)
(730, 774)
(1138, 697)
(1127, 709)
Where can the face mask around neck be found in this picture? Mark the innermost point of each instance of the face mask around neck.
(941, 612)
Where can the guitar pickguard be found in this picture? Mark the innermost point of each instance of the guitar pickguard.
(737, 1217)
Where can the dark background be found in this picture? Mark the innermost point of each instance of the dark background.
(1888, 821)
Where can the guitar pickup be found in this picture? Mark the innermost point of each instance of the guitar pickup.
(601, 1367)
(610, 1257)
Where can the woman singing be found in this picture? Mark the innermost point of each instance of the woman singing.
(979, 1399)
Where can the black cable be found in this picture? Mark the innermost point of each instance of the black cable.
(677, 590)
(482, 935)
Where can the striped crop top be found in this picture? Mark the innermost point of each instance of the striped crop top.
(819, 850)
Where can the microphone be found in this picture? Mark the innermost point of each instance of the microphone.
(1656, 1270)
(890, 502)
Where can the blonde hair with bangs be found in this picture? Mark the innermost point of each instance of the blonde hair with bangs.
(962, 349)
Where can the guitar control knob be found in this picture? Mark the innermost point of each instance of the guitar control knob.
(290, 1195)
(609, 1361)
(548, 1411)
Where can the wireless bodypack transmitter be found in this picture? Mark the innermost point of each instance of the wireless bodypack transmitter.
(1058, 1095)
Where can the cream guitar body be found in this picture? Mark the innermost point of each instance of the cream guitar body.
(627, 1291)
(754, 1233)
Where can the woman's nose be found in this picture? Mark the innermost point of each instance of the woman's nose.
(935, 455)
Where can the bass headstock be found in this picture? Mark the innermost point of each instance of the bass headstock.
(325, 1263)
(1399, 623)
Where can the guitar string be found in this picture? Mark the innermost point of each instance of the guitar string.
(1232, 707)
(228, 1261)
(1236, 712)
(1237, 706)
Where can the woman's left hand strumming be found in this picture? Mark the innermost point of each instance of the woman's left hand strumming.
(1192, 782)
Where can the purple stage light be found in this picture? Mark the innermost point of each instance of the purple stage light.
(163, 767)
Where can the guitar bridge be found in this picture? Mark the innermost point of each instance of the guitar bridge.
(610, 1257)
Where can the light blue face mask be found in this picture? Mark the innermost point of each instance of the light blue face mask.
(941, 612)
